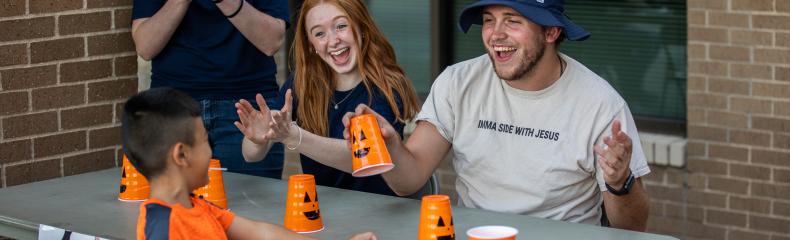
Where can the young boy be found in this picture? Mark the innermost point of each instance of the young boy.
(164, 138)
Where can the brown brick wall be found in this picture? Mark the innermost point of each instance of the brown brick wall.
(65, 68)
(736, 184)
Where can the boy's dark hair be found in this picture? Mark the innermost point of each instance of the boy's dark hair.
(153, 121)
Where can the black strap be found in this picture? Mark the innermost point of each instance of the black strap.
(626, 186)
(241, 3)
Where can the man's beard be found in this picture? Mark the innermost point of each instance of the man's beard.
(527, 66)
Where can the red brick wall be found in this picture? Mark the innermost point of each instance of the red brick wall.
(737, 181)
(65, 68)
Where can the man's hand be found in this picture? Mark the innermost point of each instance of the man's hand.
(615, 159)
(254, 124)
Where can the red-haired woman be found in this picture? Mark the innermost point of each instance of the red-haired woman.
(341, 60)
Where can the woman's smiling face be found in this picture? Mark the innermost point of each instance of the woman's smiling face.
(331, 35)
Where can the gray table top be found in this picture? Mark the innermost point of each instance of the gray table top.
(88, 203)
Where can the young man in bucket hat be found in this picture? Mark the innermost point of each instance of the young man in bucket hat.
(532, 130)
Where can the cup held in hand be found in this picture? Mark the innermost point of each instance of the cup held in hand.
(368, 149)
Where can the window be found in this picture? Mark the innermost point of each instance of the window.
(465, 45)
(406, 24)
(639, 46)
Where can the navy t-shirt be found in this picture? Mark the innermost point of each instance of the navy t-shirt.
(328, 176)
(208, 58)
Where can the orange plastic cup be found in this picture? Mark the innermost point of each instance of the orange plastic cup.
(492, 233)
(134, 186)
(301, 207)
(369, 152)
(436, 218)
(214, 192)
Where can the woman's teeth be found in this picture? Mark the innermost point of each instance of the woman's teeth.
(338, 52)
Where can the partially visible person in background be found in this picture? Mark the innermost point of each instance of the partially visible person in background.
(217, 52)
(341, 59)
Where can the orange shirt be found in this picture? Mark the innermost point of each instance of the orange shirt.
(160, 220)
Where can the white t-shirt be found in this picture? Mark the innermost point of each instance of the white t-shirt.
(529, 152)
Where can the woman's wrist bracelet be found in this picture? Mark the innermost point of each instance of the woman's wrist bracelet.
(300, 137)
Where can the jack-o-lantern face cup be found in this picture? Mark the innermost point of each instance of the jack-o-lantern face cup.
(301, 210)
(134, 186)
(214, 191)
(436, 219)
(368, 150)
(492, 233)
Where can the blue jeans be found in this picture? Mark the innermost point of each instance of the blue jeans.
(225, 140)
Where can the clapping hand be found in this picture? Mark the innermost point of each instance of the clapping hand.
(280, 126)
(615, 160)
(257, 125)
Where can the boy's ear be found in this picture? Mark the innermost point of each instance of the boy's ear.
(179, 154)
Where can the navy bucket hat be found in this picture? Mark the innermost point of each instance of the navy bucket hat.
(549, 13)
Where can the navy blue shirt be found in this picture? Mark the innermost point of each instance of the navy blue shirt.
(208, 58)
(328, 176)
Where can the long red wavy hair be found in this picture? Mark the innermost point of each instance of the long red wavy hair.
(314, 79)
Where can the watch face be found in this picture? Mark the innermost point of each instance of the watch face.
(628, 182)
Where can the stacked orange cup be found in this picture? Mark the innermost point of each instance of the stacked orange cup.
(302, 214)
(369, 152)
(436, 218)
(134, 186)
(214, 192)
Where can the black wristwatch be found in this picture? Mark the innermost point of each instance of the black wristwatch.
(623, 190)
